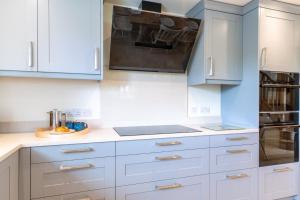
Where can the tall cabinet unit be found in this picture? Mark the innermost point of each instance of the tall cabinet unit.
(217, 59)
(18, 35)
(69, 35)
(9, 178)
(270, 42)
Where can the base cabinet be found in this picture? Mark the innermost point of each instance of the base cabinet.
(106, 194)
(193, 188)
(9, 178)
(234, 185)
(280, 181)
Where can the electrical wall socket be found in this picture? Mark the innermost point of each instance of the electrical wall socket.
(205, 110)
(79, 113)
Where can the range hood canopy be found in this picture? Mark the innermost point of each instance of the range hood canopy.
(150, 41)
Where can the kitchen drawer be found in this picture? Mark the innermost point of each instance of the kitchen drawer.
(72, 152)
(143, 168)
(233, 158)
(58, 178)
(279, 181)
(104, 194)
(234, 185)
(193, 188)
(161, 145)
(233, 140)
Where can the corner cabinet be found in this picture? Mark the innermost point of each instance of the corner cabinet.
(9, 178)
(51, 38)
(280, 51)
(217, 59)
(69, 36)
(18, 35)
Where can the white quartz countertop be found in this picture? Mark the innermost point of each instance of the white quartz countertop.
(12, 142)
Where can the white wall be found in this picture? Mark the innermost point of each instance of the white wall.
(123, 98)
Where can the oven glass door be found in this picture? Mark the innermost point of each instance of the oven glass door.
(278, 145)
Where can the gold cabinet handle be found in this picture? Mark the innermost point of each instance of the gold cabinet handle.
(237, 138)
(169, 187)
(234, 177)
(86, 198)
(81, 150)
(167, 158)
(279, 170)
(237, 151)
(75, 167)
(164, 144)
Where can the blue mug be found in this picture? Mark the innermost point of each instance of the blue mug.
(77, 126)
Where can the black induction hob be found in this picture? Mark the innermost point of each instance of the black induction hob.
(153, 130)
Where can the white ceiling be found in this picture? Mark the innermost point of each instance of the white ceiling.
(243, 2)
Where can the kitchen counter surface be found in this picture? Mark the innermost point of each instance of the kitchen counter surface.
(12, 142)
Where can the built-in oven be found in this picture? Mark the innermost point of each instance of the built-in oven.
(279, 118)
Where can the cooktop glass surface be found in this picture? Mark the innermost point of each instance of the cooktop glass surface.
(153, 130)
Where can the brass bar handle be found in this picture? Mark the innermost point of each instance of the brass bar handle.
(239, 151)
(81, 150)
(279, 170)
(169, 187)
(168, 158)
(164, 144)
(237, 138)
(234, 177)
(75, 167)
(86, 198)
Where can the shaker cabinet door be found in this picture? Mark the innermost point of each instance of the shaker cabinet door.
(279, 41)
(223, 50)
(69, 36)
(279, 181)
(18, 35)
(9, 178)
(235, 185)
(192, 188)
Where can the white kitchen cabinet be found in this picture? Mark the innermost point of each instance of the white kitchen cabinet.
(69, 36)
(161, 145)
(279, 41)
(9, 178)
(235, 185)
(279, 181)
(18, 35)
(233, 158)
(217, 58)
(66, 177)
(192, 188)
(105, 194)
(72, 152)
(144, 168)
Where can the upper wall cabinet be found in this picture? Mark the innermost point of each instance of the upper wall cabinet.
(279, 41)
(218, 55)
(69, 35)
(18, 35)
